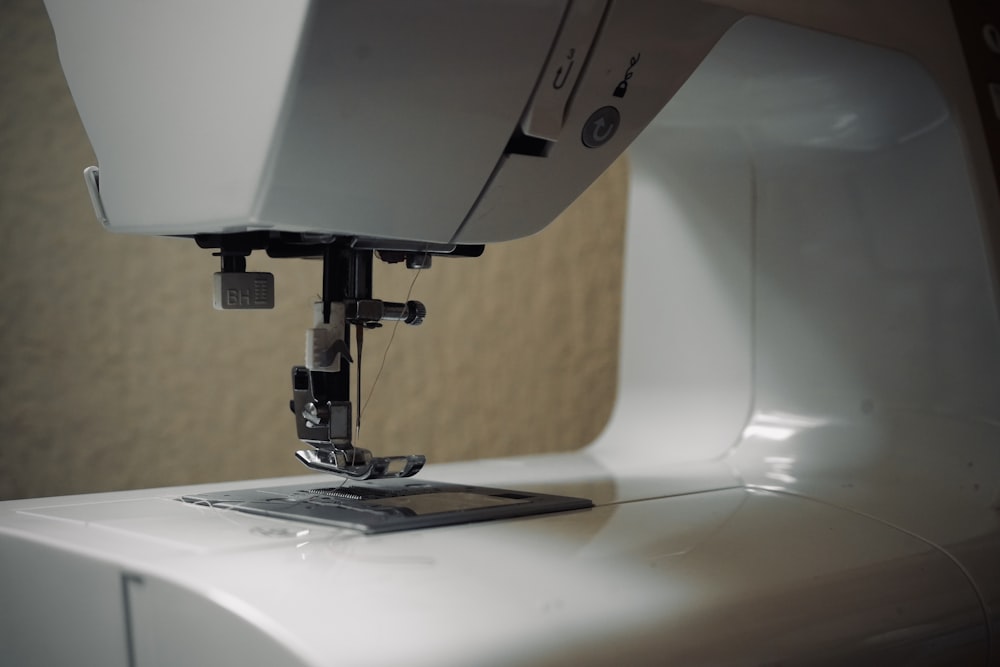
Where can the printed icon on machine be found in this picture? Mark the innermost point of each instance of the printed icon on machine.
(562, 72)
(622, 86)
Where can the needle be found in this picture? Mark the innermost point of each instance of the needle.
(357, 419)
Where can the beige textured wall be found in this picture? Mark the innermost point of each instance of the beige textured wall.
(115, 371)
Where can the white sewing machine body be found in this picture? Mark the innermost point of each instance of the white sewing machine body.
(803, 463)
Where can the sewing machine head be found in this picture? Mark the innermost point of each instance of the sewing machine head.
(401, 131)
(356, 131)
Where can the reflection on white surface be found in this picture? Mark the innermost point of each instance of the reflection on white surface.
(777, 433)
(779, 426)
(807, 89)
(780, 467)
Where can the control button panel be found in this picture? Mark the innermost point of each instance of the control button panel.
(544, 118)
(643, 53)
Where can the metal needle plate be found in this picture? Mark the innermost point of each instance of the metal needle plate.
(389, 505)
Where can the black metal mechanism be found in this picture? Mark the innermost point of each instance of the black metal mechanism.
(321, 389)
(347, 279)
(293, 244)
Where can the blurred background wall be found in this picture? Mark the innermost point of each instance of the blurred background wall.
(116, 373)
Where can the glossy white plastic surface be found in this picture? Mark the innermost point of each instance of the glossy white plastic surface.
(147, 114)
(825, 324)
(802, 467)
(657, 45)
(719, 576)
(379, 118)
(545, 115)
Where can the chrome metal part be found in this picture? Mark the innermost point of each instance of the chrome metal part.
(321, 389)
(419, 260)
(358, 463)
(325, 344)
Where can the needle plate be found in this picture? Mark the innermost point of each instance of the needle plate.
(390, 504)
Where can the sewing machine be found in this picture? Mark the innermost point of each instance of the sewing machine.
(802, 465)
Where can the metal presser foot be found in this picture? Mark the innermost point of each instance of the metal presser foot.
(326, 425)
(321, 390)
(358, 463)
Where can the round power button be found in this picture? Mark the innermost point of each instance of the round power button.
(600, 127)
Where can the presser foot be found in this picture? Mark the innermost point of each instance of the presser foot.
(358, 463)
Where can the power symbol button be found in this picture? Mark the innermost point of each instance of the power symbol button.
(600, 127)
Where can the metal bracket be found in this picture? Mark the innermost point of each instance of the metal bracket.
(326, 425)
